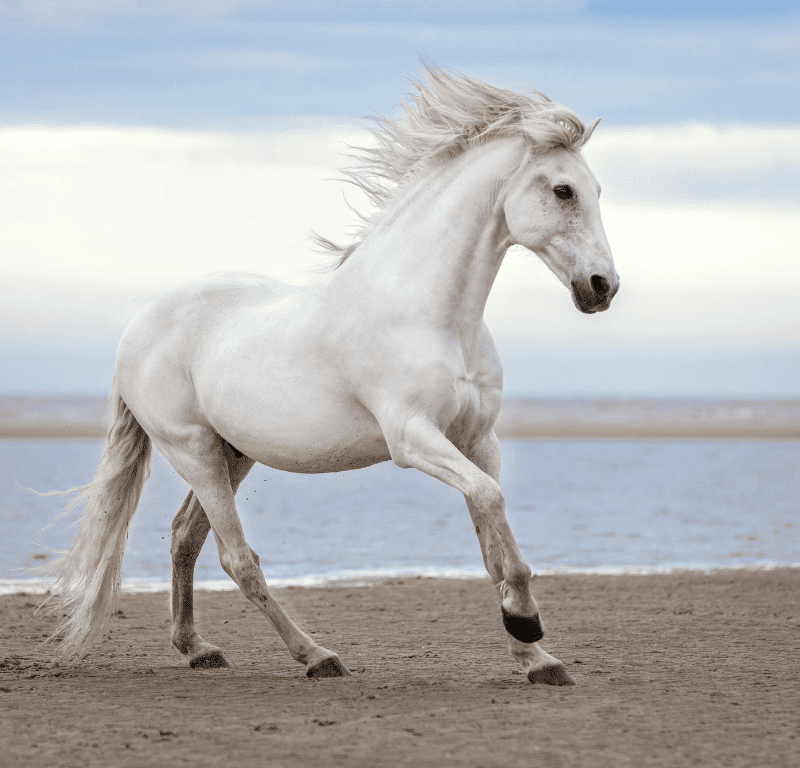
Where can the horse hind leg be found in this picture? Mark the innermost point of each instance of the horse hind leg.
(190, 529)
(202, 459)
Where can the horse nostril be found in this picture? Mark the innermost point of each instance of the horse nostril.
(600, 286)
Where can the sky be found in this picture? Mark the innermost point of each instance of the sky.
(145, 143)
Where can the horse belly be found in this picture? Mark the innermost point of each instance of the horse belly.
(308, 439)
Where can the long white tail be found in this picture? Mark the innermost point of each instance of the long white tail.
(89, 572)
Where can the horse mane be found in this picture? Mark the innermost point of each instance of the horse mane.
(443, 118)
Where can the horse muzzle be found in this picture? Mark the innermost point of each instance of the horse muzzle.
(595, 293)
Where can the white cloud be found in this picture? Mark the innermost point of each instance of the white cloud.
(701, 146)
(692, 278)
(153, 206)
(94, 221)
(697, 161)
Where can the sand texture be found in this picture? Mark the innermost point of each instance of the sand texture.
(672, 670)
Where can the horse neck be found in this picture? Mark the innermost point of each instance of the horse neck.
(436, 252)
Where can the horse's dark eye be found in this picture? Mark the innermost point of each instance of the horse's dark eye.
(563, 191)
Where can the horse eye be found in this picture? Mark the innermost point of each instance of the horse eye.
(563, 191)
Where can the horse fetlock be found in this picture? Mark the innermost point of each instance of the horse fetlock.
(202, 655)
(518, 575)
(517, 599)
(182, 641)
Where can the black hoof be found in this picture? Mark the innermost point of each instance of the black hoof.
(523, 628)
(210, 660)
(554, 675)
(330, 667)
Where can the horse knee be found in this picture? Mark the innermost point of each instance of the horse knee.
(487, 496)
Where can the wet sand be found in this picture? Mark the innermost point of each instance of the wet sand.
(672, 670)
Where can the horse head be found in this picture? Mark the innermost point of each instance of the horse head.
(552, 207)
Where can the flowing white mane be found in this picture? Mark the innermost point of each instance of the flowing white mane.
(443, 118)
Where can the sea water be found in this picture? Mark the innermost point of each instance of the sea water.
(591, 505)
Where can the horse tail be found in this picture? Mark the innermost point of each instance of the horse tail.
(89, 573)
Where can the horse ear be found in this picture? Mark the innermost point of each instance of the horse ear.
(589, 130)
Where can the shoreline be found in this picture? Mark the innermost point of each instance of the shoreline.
(74, 418)
(143, 586)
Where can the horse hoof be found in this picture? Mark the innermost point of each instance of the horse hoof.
(526, 629)
(330, 667)
(555, 674)
(210, 660)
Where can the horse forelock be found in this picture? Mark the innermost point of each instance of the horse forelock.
(442, 118)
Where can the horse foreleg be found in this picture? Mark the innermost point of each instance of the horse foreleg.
(523, 626)
(190, 529)
(418, 443)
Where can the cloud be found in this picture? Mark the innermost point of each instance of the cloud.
(698, 162)
(693, 278)
(152, 205)
(95, 221)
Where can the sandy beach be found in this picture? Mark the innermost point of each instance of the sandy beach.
(671, 670)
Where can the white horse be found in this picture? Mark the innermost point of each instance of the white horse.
(385, 356)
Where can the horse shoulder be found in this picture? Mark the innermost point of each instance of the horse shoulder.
(440, 380)
(481, 393)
